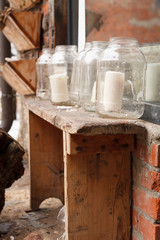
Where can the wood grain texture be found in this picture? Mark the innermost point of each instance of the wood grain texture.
(78, 121)
(60, 14)
(23, 29)
(46, 161)
(97, 196)
(77, 144)
(21, 75)
(21, 4)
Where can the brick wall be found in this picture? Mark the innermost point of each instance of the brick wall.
(146, 189)
(125, 18)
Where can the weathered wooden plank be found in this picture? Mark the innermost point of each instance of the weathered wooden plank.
(21, 75)
(97, 196)
(98, 143)
(76, 198)
(78, 121)
(109, 194)
(46, 161)
(23, 4)
(23, 29)
(60, 14)
(58, 23)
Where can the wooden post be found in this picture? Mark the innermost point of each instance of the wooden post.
(46, 161)
(97, 186)
(61, 22)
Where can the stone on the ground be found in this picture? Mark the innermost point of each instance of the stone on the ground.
(5, 227)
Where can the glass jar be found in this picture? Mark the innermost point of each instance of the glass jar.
(120, 82)
(60, 72)
(76, 76)
(42, 90)
(152, 55)
(89, 75)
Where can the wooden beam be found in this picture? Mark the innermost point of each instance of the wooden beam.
(97, 196)
(60, 22)
(46, 161)
(77, 144)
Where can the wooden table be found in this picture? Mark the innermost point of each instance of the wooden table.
(84, 161)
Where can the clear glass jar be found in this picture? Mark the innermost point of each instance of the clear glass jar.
(89, 75)
(42, 90)
(120, 82)
(152, 55)
(76, 76)
(60, 72)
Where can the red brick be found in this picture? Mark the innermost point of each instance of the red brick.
(45, 9)
(149, 179)
(156, 155)
(147, 203)
(152, 157)
(134, 237)
(135, 219)
(149, 230)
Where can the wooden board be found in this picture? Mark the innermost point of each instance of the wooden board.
(97, 195)
(98, 143)
(23, 29)
(58, 24)
(46, 161)
(22, 4)
(76, 120)
(21, 75)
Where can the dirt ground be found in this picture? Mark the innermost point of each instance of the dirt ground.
(16, 223)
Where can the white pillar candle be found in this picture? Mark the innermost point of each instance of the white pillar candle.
(60, 69)
(113, 90)
(152, 82)
(59, 88)
(93, 97)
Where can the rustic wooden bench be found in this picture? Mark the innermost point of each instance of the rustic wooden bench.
(83, 160)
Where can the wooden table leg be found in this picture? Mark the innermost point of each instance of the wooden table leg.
(97, 186)
(46, 161)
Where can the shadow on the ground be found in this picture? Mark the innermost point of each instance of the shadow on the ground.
(16, 223)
